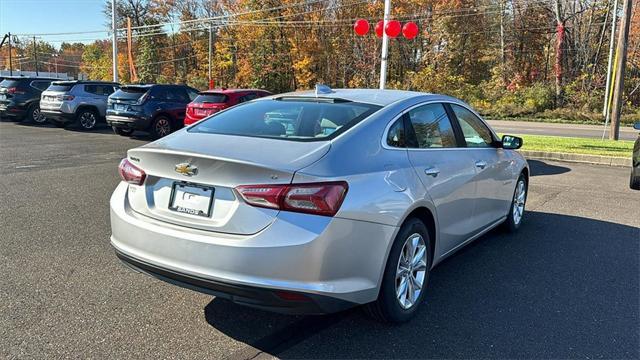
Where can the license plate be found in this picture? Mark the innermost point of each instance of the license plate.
(191, 199)
(119, 107)
(3, 97)
(202, 112)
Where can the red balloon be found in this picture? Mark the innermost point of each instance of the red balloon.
(410, 30)
(361, 27)
(379, 27)
(393, 28)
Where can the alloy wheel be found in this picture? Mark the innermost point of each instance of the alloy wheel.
(88, 120)
(163, 127)
(518, 201)
(37, 116)
(411, 271)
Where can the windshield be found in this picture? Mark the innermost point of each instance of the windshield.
(303, 120)
(210, 98)
(130, 92)
(60, 87)
(9, 83)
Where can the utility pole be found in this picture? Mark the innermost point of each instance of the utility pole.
(35, 54)
(614, 21)
(210, 53)
(114, 41)
(618, 88)
(385, 45)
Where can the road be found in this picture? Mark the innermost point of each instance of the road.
(565, 286)
(553, 129)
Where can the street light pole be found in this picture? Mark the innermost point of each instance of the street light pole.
(385, 45)
(114, 41)
(210, 53)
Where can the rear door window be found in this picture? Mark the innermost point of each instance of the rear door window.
(303, 120)
(431, 127)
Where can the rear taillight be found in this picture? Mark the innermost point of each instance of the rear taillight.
(65, 97)
(314, 198)
(131, 173)
(15, 90)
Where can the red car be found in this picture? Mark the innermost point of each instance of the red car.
(212, 101)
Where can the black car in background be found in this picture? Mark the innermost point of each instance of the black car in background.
(158, 109)
(634, 182)
(20, 98)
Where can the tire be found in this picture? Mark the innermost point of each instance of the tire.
(634, 181)
(391, 307)
(34, 116)
(122, 131)
(161, 126)
(514, 219)
(86, 119)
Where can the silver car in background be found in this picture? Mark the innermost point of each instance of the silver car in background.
(313, 202)
(81, 102)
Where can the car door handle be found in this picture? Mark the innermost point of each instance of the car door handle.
(432, 171)
(481, 164)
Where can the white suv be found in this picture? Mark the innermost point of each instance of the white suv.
(82, 102)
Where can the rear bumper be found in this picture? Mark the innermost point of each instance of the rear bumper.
(241, 294)
(10, 109)
(189, 119)
(334, 262)
(132, 122)
(58, 115)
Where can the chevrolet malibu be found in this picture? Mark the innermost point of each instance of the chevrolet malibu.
(313, 202)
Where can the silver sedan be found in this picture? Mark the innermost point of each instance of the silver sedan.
(313, 202)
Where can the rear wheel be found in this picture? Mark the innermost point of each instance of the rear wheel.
(34, 115)
(516, 211)
(406, 275)
(122, 131)
(634, 181)
(161, 126)
(86, 119)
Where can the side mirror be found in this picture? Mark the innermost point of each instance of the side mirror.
(637, 125)
(511, 142)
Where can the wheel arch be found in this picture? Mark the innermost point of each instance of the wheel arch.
(87, 107)
(425, 215)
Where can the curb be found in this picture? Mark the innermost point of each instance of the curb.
(579, 158)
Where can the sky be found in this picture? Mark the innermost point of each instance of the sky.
(53, 16)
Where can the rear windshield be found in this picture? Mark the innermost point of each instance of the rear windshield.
(210, 98)
(60, 87)
(287, 119)
(8, 83)
(132, 92)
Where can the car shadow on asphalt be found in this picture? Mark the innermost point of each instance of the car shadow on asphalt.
(561, 287)
(541, 168)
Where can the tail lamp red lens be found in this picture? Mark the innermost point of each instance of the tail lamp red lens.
(15, 90)
(323, 198)
(131, 173)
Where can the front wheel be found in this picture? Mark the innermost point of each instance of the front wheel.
(406, 275)
(516, 211)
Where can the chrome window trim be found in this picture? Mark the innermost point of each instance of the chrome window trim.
(397, 117)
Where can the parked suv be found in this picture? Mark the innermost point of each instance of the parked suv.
(20, 98)
(212, 101)
(158, 109)
(82, 102)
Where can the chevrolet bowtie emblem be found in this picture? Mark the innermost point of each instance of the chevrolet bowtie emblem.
(186, 169)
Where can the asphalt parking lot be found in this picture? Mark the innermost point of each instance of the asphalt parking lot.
(565, 286)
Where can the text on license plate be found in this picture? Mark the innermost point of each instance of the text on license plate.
(120, 107)
(191, 199)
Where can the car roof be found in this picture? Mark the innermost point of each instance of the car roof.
(230, 91)
(74, 82)
(369, 96)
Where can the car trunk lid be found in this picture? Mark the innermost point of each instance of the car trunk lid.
(218, 164)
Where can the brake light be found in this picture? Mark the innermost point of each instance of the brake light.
(313, 198)
(65, 97)
(131, 173)
(14, 90)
